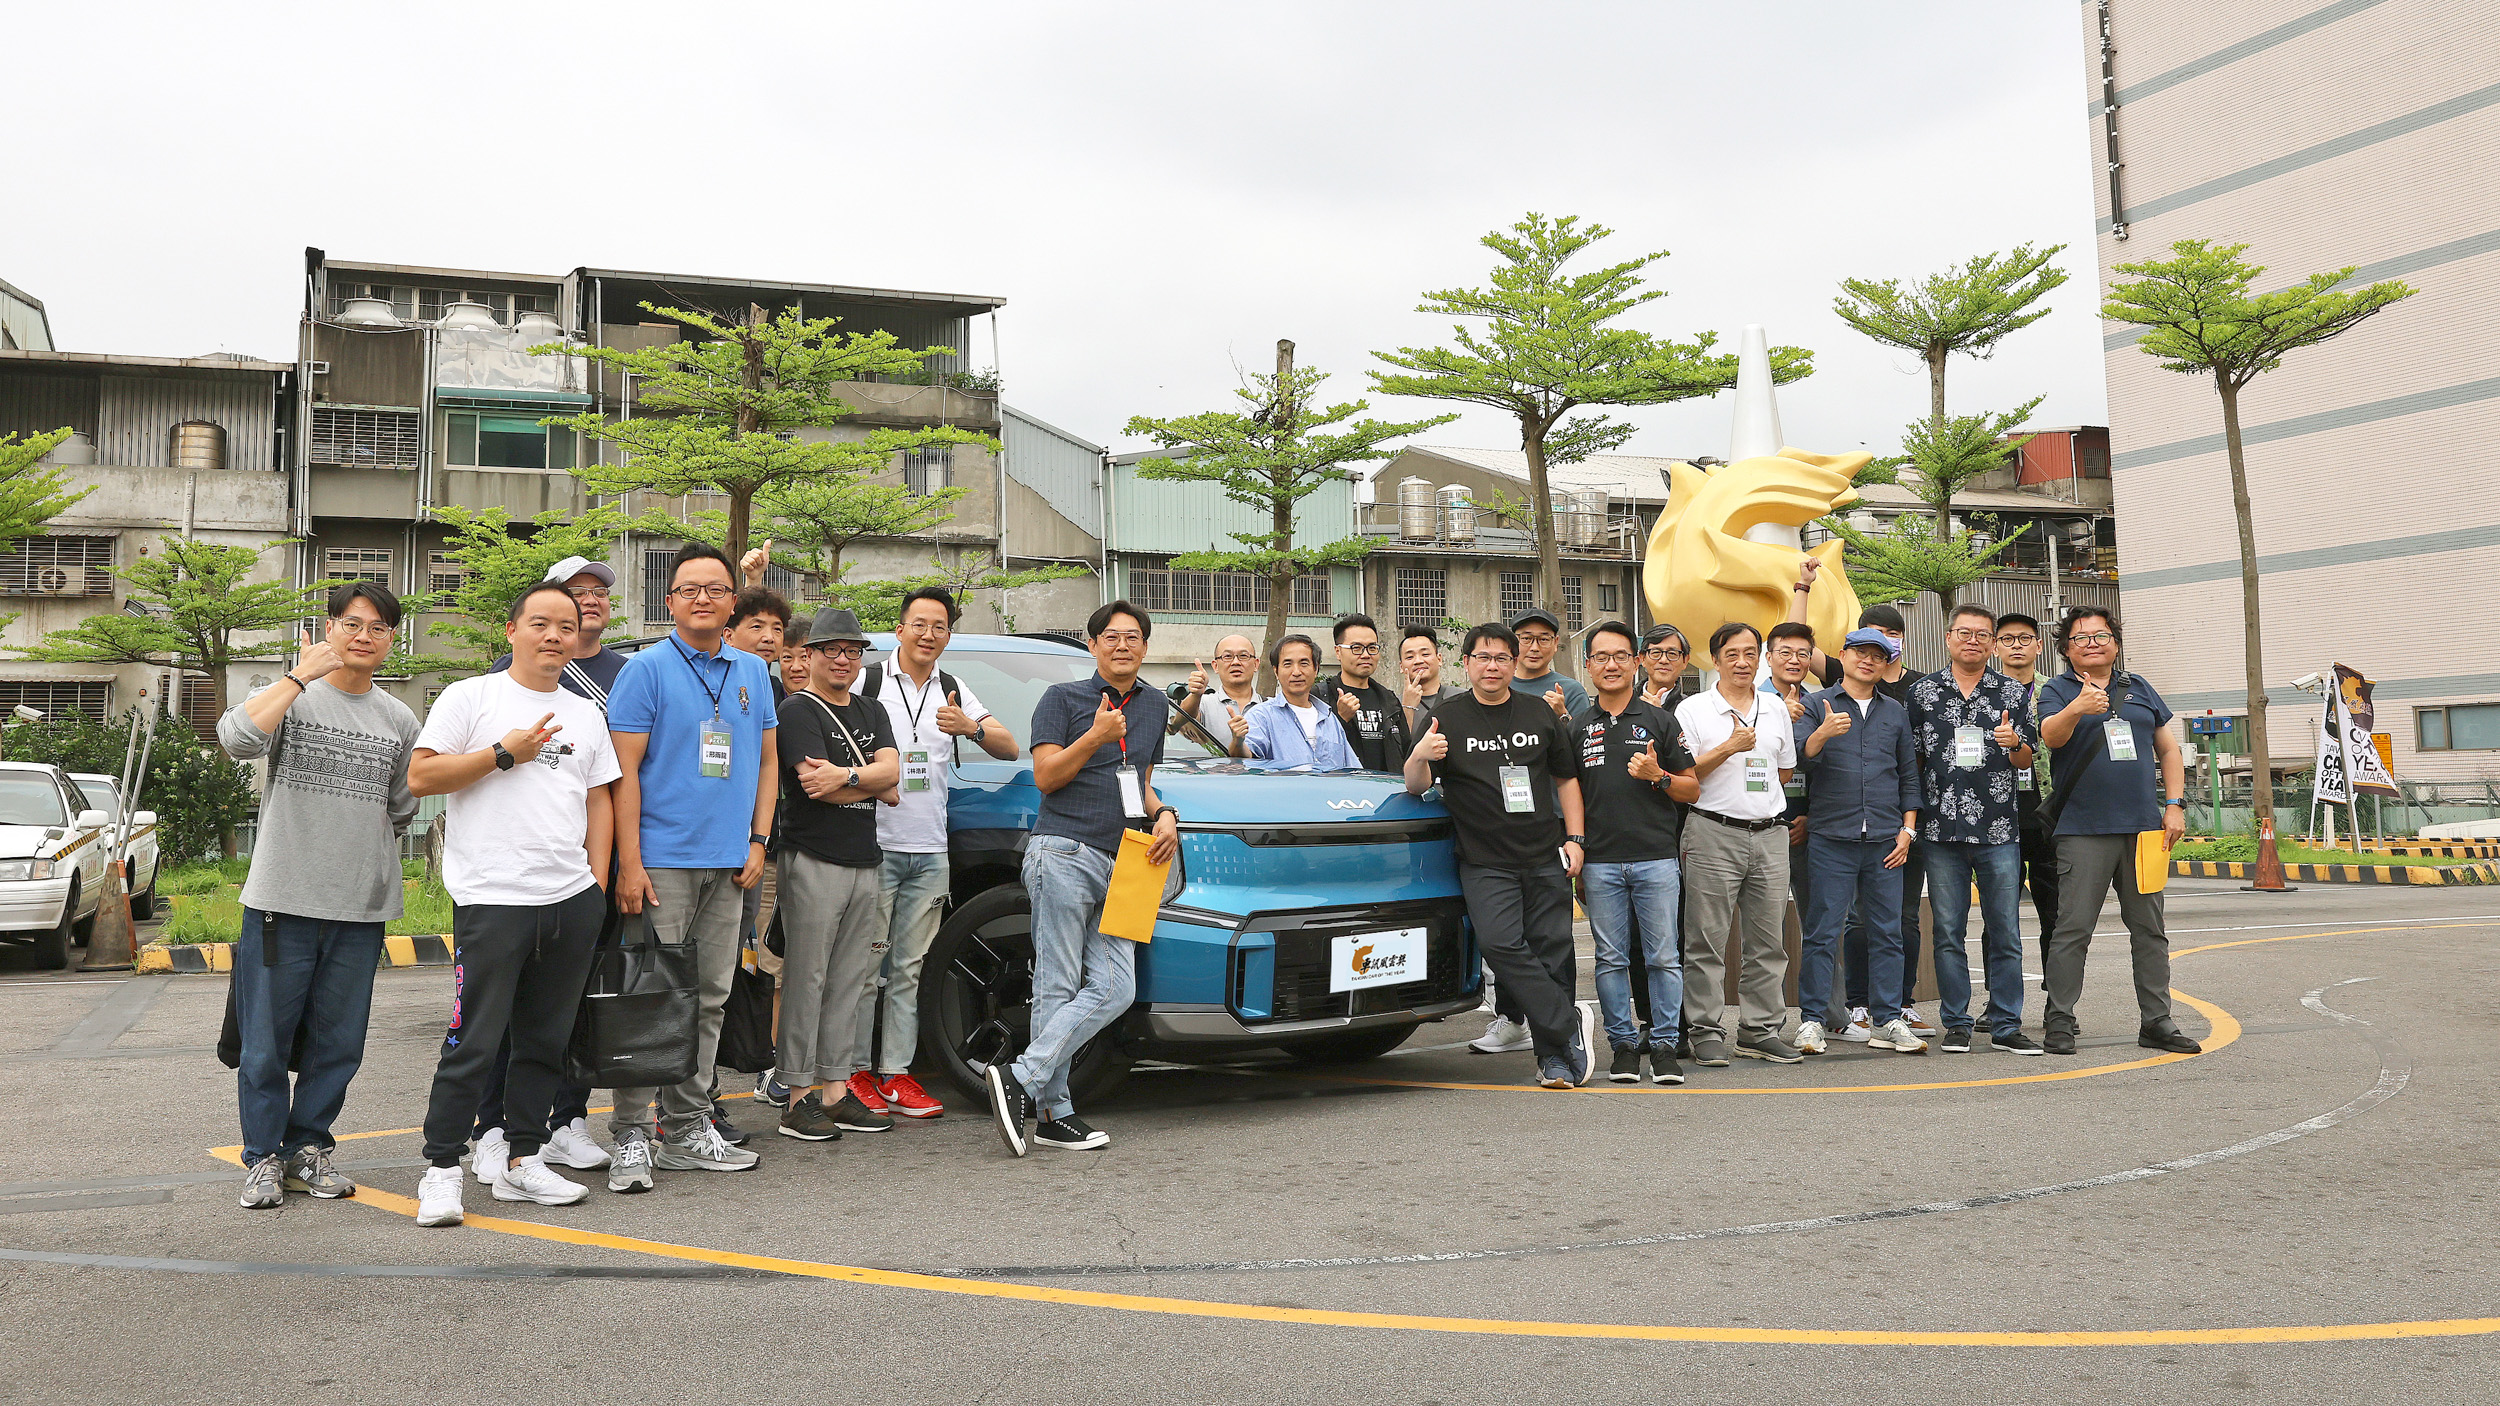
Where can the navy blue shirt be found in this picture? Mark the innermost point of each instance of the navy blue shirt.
(1972, 805)
(1866, 779)
(593, 678)
(2112, 797)
(1088, 808)
(670, 692)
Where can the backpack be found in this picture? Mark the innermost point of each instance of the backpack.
(873, 678)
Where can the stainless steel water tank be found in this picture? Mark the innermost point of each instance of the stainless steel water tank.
(368, 312)
(77, 449)
(1583, 514)
(198, 444)
(465, 314)
(1458, 513)
(1414, 509)
(533, 328)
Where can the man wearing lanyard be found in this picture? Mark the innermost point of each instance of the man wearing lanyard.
(1374, 717)
(1095, 745)
(1862, 804)
(1736, 856)
(693, 722)
(2018, 657)
(1295, 729)
(928, 711)
(1237, 670)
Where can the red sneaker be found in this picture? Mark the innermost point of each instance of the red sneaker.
(906, 1099)
(863, 1086)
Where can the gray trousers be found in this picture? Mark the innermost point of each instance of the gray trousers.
(1728, 872)
(2086, 867)
(704, 907)
(832, 943)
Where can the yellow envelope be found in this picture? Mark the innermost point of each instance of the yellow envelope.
(1136, 893)
(2152, 862)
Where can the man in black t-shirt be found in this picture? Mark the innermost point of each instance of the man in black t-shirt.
(838, 761)
(1374, 716)
(1510, 775)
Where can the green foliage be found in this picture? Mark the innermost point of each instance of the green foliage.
(500, 563)
(1943, 456)
(878, 604)
(819, 518)
(427, 911)
(31, 495)
(720, 412)
(1968, 308)
(210, 908)
(174, 880)
(195, 790)
(199, 609)
(2200, 317)
(1908, 558)
(213, 915)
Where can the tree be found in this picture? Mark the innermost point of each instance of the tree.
(193, 607)
(1269, 457)
(719, 412)
(30, 495)
(878, 604)
(1940, 457)
(822, 517)
(1968, 308)
(1547, 349)
(1907, 559)
(497, 564)
(2200, 319)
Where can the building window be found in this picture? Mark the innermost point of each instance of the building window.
(363, 439)
(506, 442)
(444, 573)
(1518, 593)
(2469, 727)
(655, 564)
(1423, 596)
(1609, 600)
(358, 564)
(1573, 597)
(427, 304)
(929, 468)
(1156, 586)
(57, 566)
(199, 704)
(2096, 463)
(58, 698)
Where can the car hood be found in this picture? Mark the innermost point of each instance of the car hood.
(27, 841)
(1216, 791)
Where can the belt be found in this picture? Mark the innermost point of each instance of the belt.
(1733, 823)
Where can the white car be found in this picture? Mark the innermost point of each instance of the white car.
(105, 794)
(53, 848)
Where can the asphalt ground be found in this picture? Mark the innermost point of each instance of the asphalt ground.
(2304, 1212)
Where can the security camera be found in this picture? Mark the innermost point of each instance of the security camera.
(2307, 682)
(26, 714)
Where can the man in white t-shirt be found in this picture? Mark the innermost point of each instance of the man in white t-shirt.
(928, 710)
(1736, 855)
(527, 838)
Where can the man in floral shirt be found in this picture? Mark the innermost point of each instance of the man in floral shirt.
(1974, 735)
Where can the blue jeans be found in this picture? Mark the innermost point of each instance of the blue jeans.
(1616, 892)
(1952, 867)
(1841, 871)
(909, 906)
(1912, 876)
(1082, 979)
(321, 979)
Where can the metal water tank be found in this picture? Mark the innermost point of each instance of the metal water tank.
(198, 444)
(466, 314)
(368, 312)
(77, 449)
(1865, 520)
(1415, 509)
(537, 327)
(1458, 512)
(1583, 511)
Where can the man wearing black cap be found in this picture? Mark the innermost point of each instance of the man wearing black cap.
(1539, 634)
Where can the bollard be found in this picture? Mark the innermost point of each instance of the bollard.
(113, 942)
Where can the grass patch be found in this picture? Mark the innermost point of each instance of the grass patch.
(203, 907)
(2243, 849)
(428, 911)
(204, 917)
(186, 879)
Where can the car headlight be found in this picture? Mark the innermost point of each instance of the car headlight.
(21, 869)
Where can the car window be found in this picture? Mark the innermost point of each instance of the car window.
(101, 795)
(28, 798)
(1011, 684)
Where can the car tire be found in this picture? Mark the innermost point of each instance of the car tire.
(52, 948)
(976, 996)
(1352, 1046)
(143, 905)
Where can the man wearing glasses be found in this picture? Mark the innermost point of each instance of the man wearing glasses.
(2018, 658)
(1664, 654)
(1736, 856)
(325, 878)
(1539, 634)
(693, 722)
(1374, 718)
(1237, 672)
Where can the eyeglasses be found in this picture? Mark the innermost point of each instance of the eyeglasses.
(1973, 636)
(839, 651)
(1119, 637)
(587, 592)
(1361, 651)
(1666, 652)
(928, 627)
(704, 592)
(1612, 656)
(375, 630)
(1793, 654)
(2018, 639)
(1483, 658)
(1237, 656)
(2097, 637)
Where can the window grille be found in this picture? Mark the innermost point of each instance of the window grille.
(58, 698)
(57, 566)
(1518, 594)
(1423, 596)
(363, 439)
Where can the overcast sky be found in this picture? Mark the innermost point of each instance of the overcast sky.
(1159, 191)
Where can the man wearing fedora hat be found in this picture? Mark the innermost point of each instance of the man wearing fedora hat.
(838, 761)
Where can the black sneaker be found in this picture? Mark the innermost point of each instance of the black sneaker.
(2016, 1043)
(2167, 1037)
(729, 1132)
(851, 1115)
(1011, 1106)
(2059, 1042)
(808, 1121)
(1071, 1134)
(1662, 1067)
(1626, 1068)
(1957, 1040)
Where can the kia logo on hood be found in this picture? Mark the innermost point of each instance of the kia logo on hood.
(1356, 804)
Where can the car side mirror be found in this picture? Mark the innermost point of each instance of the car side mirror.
(93, 819)
(143, 817)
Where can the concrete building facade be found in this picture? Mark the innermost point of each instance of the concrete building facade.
(2276, 123)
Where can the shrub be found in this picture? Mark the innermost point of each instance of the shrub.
(196, 791)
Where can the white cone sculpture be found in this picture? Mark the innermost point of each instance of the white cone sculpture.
(1756, 431)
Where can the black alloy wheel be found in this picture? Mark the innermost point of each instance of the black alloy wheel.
(976, 998)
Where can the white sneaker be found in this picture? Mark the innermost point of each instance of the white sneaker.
(491, 1156)
(1897, 1035)
(438, 1197)
(1503, 1036)
(1859, 1029)
(530, 1179)
(573, 1146)
(1810, 1038)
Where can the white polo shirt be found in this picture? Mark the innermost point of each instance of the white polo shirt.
(918, 825)
(1708, 719)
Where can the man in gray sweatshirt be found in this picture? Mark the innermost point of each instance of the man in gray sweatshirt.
(325, 878)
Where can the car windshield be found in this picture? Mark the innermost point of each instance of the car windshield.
(30, 800)
(1011, 684)
(103, 795)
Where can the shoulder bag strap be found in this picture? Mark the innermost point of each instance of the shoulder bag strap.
(2055, 805)
(838, 726)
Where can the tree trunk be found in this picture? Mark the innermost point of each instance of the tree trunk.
(750, 421)
(1935, 384)
(1280, 518)
(1549, 593)
(2260, 770)
(741, 511)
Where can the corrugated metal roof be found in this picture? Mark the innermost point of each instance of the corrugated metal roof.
(982, 301)
(183, 363)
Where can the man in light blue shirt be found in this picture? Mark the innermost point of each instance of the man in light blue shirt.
(1292, 730)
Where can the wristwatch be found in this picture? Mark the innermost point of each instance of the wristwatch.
(503, 759)
(758, 840)
(2179, 801)
(853, 783)
(1162, 811)
(1581, 840)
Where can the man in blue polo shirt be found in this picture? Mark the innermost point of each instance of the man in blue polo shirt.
(1095, 745)
(693, 722)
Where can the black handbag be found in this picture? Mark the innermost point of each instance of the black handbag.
(746, 1022)
(636, 1026)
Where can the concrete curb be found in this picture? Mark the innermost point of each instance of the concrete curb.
(2418, 875)
(423, 950)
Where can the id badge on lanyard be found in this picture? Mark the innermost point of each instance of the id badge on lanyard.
(916, 769)
(1757, 774)
(715, 747)
(2121, 736)
(1132, 786)
(1970, 746)
(1517, 797)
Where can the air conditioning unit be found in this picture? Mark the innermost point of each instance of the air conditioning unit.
(55, 581)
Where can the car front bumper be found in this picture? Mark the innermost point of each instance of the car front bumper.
(29, 906)
(1199, 1025)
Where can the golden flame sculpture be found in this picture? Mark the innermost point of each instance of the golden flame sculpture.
(1702, 570)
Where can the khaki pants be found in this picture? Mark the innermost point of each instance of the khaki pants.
(1733, 875)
